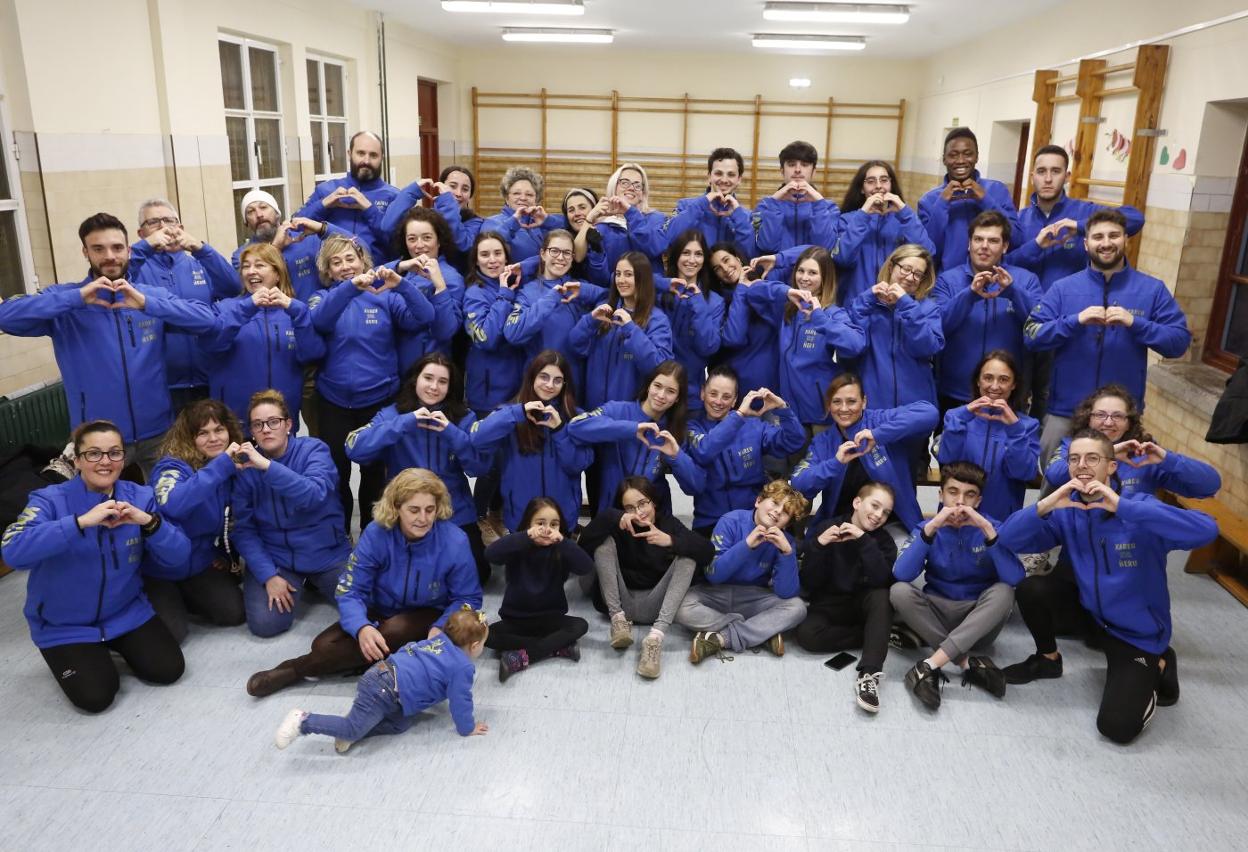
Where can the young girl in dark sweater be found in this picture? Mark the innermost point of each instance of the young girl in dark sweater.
(534, 621)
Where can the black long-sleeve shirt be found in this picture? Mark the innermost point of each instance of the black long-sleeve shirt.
(842, 567)
(535, 575)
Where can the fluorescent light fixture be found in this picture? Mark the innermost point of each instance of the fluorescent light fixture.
(516, 7)
(800, 82)
(837, 13)
(557, 35)
(809, 42)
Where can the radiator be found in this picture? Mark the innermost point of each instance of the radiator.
(38, 416)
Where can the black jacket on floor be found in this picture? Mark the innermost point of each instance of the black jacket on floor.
(843, 567)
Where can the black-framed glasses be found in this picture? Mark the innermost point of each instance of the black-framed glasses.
(93, 456)
(1108, 416)
(562, 254)
(641, 504)
(160, 221)
(271, 424)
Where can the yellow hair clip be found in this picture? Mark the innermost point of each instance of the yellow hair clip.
(479, 613)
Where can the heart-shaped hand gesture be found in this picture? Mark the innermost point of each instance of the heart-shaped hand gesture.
(621, 317)
(875, 204)
(804, 300)
(1092, 315)
(686, 289)
(542, 414)
(334, 198)
(865, 440)
(757, 536)
(848, 451)
(603, 313)
(510, 277)
(617, 205)
(126, 296)
(722, 203)
(570, 290)
(834, 534)
(434, 421)
(984, 284)
(1139, 453)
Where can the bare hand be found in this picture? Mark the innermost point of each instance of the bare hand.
(372, 644)
(281, 594)
(1092, 315)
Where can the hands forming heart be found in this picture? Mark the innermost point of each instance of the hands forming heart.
(569, 289)
(542, 414)
(991, 283)
(1139, 453)
(113, 294)
(434, 421)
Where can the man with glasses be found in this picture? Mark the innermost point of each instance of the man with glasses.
(167, 256)
(108, 335)
(357, 202)
(1100, 324)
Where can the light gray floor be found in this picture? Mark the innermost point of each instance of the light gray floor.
(758, 753)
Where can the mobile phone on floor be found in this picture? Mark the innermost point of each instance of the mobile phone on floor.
(840, 661)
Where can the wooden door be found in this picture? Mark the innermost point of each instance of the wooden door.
(427, 107)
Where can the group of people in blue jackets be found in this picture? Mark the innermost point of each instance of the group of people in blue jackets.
(480, 370)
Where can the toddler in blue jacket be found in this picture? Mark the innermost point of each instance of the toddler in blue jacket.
(413, 678)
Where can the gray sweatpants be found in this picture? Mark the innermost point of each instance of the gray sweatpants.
(1055, 429)
(954, 627)
(655, 606)
(744, 615)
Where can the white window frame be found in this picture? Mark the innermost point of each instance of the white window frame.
(249, 114)
(15, 203)
(324, 119)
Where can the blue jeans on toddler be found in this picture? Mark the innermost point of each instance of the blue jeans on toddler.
(376, 710)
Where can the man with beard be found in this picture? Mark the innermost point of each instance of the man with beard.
(357, 203)
(108, 335)
(299, 240)
(1100, 324)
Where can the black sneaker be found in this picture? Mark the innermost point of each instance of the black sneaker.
(1168, 684)
(867, 691)
(983, 672)
(902, 637)
(925, 684)
(1035, 667)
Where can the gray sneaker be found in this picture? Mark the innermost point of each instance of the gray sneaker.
(648, 662)
(621, 633)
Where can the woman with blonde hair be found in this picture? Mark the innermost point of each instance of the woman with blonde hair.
(264, 337)
(411, 570)
(625, 219)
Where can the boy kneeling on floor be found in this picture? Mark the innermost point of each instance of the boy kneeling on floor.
(752, 594)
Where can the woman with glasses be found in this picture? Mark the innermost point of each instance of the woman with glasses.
(1049, 602)
(288, 528)
(523, 221)
(645, 559)
(194, 489)
(625, 219)
(83, 542)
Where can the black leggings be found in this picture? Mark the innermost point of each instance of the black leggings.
(213, 594)
(477, 544)
(1049, 605)
(336, 423)
(86, 673)
(860, 620)
(539, 637)
(1130, 695)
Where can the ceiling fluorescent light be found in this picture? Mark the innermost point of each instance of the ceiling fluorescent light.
(559, 36)
(837, 13)
(800, 82)
(809, 42)
(517, 7)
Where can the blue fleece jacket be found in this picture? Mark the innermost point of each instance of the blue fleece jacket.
(364, 225)
(361, 331)
(1119, 559)
(495, 366)
(535, 575)
(749, 344)
(1089, 356)
(200, 276)
(1068, 256)
(1177, 473)
(697, 212)
(540, 319)
(865, 242)
(399, 441)
(811, 351)
(524, 242)
(289, 516)
(300, 258)
(448, 313)
(947, 222)
(886, 462)
(730, 452)
(258, 348)
(195, 500)
(1010, 455)
(902, 340)
(737, 563)
(697, 323)
(614, 424)
(957, 563)
(431, 670)
(554, 472)
(463, 231)
(645, 233)
(784, 224)
(974, 325)
(387, 574)
(617, 361)
(85, 584)
(112, 361)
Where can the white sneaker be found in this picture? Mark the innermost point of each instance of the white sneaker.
(341, 745)
(288, 731)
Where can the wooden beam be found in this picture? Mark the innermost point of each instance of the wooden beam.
(901, 123)
(1042, 125)
(476, 137)
(1089, 128)
(1150, 79)
(758, 117)
(615, 129)
(827, 148)
(684, 143)
(544, 116)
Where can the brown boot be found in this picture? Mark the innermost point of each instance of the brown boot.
(268, 682)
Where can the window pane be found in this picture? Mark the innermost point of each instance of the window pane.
(263, 79)
(337, 147)
(232, 74)
(240, 164)
(239, 226)
(1236, 335)
(333, 91)
(314, 87)
(5, 192)
(12, 280)
(318, 150)
(269, 148)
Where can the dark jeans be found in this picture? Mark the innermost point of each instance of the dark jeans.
(486, 495)
(180, 398)
(477, 544)
(335, 651)
(1049, 605)
(266, 621)
(1130, 695)
(1037, 371)
(840, 622)
(539, 637)
(86, 673)
(336, 423)
(213, 594)
(376, 710)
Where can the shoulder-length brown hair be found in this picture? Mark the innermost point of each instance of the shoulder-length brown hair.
(678, 415)
(1082, 417)
(530, 437)
(267, 253)
(643, 285)
(827, 278)
(179, 441)
(408, 483)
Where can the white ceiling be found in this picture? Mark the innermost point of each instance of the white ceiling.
(702, 26)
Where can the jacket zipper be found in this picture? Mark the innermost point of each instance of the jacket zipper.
(892, 350)
(125, 374)
(99, 604)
